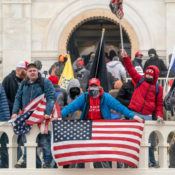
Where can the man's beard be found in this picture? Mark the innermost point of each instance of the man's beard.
(22, 75)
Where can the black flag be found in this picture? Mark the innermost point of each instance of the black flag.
(98, 69)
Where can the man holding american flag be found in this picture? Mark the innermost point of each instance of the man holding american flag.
(96, 140)
(29, 90)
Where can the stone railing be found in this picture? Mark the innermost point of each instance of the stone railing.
(162, 132)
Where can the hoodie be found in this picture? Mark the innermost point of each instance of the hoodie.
(144, 99)
(117, 69)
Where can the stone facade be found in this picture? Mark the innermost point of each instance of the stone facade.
(40, 29)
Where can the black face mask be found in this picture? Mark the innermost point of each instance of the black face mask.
(149, 80)
(94, 92)
(74, 92)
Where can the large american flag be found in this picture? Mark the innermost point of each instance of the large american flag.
(36, 108)
(78, 141)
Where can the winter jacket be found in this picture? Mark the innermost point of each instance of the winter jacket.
(144, 99)
(61, 95)
(137, 63)
(158, 63)
(4, 108)
(73, 83)
(107, 102)
(11, 84)
(125, 93)
(83, 76)
(116, 68)
(28, 91)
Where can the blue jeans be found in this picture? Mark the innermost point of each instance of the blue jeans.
(45, 142)
(4, 151)
(144, 117)
(151, 148)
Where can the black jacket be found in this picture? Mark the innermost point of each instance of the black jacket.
(11, 84)
(158, 63)
(125, 93)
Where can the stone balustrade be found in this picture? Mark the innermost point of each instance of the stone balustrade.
(162, 132)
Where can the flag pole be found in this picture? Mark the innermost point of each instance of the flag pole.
(170, 66)
(102, 37)
(121, 33)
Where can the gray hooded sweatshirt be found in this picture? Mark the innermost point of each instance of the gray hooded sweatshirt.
(117, 69)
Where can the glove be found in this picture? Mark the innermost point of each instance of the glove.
(160, 120)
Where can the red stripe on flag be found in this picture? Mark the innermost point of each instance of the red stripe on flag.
(97, 160)
(116, 138)
(81, 153)
(118, 132)
(55, 148)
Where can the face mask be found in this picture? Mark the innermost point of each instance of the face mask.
(74, 92)
(94, 92)
(149, 80)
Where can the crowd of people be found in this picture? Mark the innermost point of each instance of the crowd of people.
(140, 99)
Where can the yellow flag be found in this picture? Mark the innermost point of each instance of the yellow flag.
(67, 74)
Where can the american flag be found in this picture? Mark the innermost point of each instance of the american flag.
(37, 109)
(79, 141)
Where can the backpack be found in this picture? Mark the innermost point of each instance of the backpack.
(40, 81)
(169, 100)
(141, 81)
(157, 91)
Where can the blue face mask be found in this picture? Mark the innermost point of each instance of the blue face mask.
(94, 92)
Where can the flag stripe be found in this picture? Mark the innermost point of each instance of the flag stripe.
(98, 145)
(116, 138)
(98, 160)
(108, 141)
(118, 129)
(85, 142)
(102, 156)
(118, 132)
(83, 153)
(59, 151)
(120, 126)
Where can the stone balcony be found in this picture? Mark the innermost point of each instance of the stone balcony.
(162, 132)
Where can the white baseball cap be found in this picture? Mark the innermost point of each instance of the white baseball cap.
(22, 64)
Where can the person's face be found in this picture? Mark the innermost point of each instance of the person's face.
(21, 72)
(148, 76)
(32, 74)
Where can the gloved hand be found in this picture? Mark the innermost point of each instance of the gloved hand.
(160, 120)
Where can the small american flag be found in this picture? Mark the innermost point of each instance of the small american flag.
(79, 141)
(36, 109)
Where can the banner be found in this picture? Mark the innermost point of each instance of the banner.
(67, 74)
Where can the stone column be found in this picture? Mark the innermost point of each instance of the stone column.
(16, 32)
(163, 155)
(170, 23)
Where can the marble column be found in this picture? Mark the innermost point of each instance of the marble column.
(16, 33)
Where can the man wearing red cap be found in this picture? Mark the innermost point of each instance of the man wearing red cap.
(82, 74)
(97, 104)
(137, 63)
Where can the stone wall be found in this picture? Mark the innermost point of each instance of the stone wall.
(40, 29)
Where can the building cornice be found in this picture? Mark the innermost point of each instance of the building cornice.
(169, 1)
(16, 1)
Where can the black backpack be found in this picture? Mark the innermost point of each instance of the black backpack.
(169, 100)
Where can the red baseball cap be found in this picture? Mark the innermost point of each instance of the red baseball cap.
(80, 63)
(149, 71)
(94, 81)
(138, 54)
